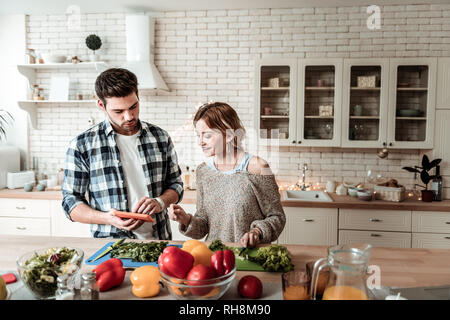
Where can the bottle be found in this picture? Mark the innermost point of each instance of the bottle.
(64, 291)
(89, 288)
(436, 185)
(193, 182)
(60, 176)
(186, 179)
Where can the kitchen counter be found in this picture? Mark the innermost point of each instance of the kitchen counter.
(398, 267)
(343, 202)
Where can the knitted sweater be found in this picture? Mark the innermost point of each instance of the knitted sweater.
(229, 205)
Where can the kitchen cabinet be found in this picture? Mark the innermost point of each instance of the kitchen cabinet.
(443, 84)
(442, 146)
(431, 229)
(275, 114)
(63, 227)
(29, 71)
(319, 102)
(376, 238)
(310, 226)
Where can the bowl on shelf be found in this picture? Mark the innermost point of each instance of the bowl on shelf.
(39, 269)
(53, 58)
(365, 195)
(408, 113)
(353, 192)
(210, 289)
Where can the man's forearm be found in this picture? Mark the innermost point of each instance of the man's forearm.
(85, 214)
(169, 196)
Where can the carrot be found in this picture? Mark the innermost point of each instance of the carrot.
(133, 215)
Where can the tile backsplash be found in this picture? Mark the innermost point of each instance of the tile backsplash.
(209, 55)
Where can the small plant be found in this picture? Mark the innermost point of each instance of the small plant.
(427, 165)
(93, 42)
(4, 121)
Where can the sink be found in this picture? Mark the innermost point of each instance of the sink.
(299, 195)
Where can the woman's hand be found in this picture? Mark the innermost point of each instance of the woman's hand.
(177, 213)
(251, 238)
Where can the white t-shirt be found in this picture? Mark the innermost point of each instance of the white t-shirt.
(134, 178)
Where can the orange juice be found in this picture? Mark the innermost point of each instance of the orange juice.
(344, 293)
(295, 292)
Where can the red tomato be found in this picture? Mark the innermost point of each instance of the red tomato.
(250, 287)
(201, 272)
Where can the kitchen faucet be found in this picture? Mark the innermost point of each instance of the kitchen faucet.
(303, 186)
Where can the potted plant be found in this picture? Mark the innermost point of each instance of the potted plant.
(93, 42)
(427, 165)
(4, 115)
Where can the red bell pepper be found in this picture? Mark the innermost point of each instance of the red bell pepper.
(109, 274)
(223, 262)
(175, 262)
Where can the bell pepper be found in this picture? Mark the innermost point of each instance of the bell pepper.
(175, 262)
(223, 262)
(145, 281)
(109, 274)
(199, 250)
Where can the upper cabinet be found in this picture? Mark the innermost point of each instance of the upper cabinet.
(276, 84)
(443, 84)
(358, 103)
(365, 102)
(319, 102)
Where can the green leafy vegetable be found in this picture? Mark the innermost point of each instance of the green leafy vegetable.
(139, 252)
(217, 245)
(273, 258)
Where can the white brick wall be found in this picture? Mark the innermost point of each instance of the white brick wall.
(209, 55)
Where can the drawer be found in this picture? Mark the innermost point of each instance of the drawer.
(376, 238)
(431, 222)
(382, 220)
(10, 207)
(431, 240)
(25, 226)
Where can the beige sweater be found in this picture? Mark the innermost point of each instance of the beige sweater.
(229, 205)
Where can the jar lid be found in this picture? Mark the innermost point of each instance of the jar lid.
(89, 276)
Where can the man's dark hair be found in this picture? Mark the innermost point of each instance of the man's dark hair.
(115, 82)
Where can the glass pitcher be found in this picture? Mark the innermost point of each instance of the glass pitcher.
(347, 280)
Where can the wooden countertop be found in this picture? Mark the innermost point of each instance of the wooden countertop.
(398, 267)
(342, 202)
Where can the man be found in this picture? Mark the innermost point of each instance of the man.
(122, 163)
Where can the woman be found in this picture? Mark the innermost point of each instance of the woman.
(237, 195)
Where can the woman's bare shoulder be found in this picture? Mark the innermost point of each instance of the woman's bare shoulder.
(258, 166)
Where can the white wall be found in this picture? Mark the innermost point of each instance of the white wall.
(12, 84)
(209, 55)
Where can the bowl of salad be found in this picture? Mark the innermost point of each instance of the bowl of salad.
(40, 268)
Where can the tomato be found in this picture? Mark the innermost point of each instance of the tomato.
(250, 287)
(200, 272)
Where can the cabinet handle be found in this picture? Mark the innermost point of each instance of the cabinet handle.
(293, 141)
(375, 235)
(299, 142)
(390, 144)
(21, 208)
(447, 238)
(448, 222)
(308, 220)
(375, 220)
(384, 144)
(21, 228)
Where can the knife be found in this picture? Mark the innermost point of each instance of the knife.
(108, 249)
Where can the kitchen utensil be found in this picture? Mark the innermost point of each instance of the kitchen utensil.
(330, 186)
(210, 289)
(296, 285)
(408, 113)
(53, 58)
(108, 249)
(348, 267)
(341, 190)
(357, 110)
(353, 192)
(383, 153)
(364, 195)
(16, 180)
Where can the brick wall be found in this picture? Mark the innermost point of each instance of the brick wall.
(209, 55)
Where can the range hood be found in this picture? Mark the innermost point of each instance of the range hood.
(140, 34)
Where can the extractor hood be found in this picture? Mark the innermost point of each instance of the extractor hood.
(140, 34)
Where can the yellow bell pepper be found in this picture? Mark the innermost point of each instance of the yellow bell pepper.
(199, 250)
(145, 281)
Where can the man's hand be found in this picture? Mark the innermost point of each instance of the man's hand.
(148, 206)
(123, 224)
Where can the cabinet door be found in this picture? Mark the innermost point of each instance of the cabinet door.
(431, 222)
(376, 238)
(275, 114)
(382, 220)
(26, 208)
(443, 84)
(25, 226)
(310, 226)
(365, 102)
(63, 227)
(412, 102)
(442, 147)
(319, 102)
(431, 240)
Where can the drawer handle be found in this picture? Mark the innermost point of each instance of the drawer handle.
(375, 235)
(448, 222)
(308, 220)
(21, 228)
(447, 238)
(375, 220)
(21, 208)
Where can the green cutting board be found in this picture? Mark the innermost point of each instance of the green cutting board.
(246, 265)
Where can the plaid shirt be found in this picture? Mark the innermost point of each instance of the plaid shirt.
(93, 165)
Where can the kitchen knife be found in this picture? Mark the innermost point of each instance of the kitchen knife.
(107, 250)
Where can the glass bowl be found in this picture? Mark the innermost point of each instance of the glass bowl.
(39, 269)
(210, 289)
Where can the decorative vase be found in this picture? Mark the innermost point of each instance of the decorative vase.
(427, 195)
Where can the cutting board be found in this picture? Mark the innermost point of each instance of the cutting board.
(241, 263)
